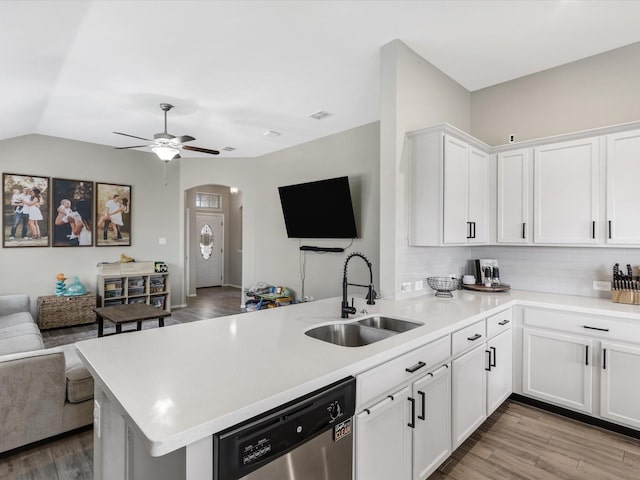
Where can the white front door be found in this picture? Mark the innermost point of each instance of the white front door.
(209, 240)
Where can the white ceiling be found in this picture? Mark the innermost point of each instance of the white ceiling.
(235, 69)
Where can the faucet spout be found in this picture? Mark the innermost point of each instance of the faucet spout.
(371, 293)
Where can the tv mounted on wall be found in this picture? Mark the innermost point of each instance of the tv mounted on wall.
(320, 209)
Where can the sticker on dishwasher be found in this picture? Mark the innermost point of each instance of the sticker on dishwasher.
(341, 430)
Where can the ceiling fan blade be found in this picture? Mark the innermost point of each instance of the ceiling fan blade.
(183, 139)
(202, 150)
(132, 136)
(135, 146)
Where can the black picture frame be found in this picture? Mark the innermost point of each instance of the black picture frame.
(19, 228)
(72, 213)
(113, 215)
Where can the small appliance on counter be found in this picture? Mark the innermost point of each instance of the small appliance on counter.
(487, 274)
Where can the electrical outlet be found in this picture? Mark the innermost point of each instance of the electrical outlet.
(603, 286)
(406, 287)
(419, 285)
(512, 138)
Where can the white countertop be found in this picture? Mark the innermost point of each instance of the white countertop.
(181, 383)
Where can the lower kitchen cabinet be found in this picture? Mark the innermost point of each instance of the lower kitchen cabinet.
(469, 395)
(558, 368)
(499, 370)
(383, 439)
(619, 393)
(432, 434)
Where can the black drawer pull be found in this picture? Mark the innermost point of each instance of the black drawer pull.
(524, 231)
(604, 358)
(503, 323)
(423, 415)
(586, 355)
(412, 423)
(488, 367)
(474, 338)
(415, 368)
(493, 349)
(595, 328)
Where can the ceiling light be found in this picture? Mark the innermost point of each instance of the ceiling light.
(320, 114)
(165, 154)
(272, 133)
(233, 190)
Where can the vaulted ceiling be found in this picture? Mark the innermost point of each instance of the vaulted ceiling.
(237, 69)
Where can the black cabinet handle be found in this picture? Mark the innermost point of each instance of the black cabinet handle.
(423, 413)
(415, 368)
(586, 355)
(493, 349)
(604, 358)
(473, 224)
(503, 323)
(488, 367)
(609, 228)
(468, 229)
(593, 229)
(412, 423)
(524, 230)
(474, 338)
(595, 328)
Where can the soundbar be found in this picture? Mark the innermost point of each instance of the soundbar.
(310, 248)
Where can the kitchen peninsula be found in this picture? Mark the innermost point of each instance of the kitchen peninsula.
(162, 393)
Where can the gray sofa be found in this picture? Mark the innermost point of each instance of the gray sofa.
(43, 392)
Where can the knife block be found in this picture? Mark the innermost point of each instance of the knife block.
(626, 295)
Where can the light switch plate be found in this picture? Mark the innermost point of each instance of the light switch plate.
(419, 285)
(602, 286)
(406, 287)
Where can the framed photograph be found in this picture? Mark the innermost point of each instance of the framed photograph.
(72, 213)
(25, 211)
(113, 215)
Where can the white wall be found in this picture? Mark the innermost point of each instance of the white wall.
(413, 94)
(154, 209)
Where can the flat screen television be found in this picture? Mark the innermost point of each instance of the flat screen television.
(319, 209)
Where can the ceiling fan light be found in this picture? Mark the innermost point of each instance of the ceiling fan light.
(165, 153)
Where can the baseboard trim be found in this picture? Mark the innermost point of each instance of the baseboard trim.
(581, 417)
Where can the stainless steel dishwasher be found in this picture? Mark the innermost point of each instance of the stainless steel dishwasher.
(306, 439)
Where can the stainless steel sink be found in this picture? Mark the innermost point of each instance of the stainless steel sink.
(348, 334)
(389, 323)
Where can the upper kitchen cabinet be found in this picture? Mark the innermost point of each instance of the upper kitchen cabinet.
(566, 184)
(514, 197)
(449, 188)
(623, 180)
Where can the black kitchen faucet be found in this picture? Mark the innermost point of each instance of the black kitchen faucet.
(371, 293)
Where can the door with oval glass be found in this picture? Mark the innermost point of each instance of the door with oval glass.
(210, 243)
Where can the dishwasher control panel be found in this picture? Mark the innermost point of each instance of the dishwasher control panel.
(254, 443)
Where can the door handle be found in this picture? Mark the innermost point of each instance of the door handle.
(474, 337)
(503, 323)
(493, 349)
(412, 423)
(524, 230)
(595, 328)
(593, 229)
(604, 358)
(488, 367)
(473, 224)
(586, 355)
(423, 412)
(469, 230)
(609, 228)
(415, 368)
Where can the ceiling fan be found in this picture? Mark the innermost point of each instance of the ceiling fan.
(165, 145)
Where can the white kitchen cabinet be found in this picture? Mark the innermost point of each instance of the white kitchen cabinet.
(499, 370)
(432, 434)
(566, 192)
(468, 381)
(623, 181)
(514, 197)
(383, 445)
(619, 392)
(448, 188)
(558, 368)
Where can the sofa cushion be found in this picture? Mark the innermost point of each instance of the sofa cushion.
(79, 380)
(21, 343)
(16, 319)
(19, 329)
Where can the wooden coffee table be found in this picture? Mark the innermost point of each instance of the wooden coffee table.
(127, 313)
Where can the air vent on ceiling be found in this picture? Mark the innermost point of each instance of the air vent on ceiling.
(228, 149)
(320, 114)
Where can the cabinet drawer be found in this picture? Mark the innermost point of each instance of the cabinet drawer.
(468, 337)
(378, 380)
(583, 324)
(498, 323)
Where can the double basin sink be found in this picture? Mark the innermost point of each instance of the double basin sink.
(361, 332)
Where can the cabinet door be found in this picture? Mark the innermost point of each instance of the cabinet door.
(432, 434)
(478, 202)
(514, 197)
(456, 195)
(468, 390)
(619, 392)
(383, 439)
(566, 193)
(499, 372)
(557, 368)
(623, 179)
